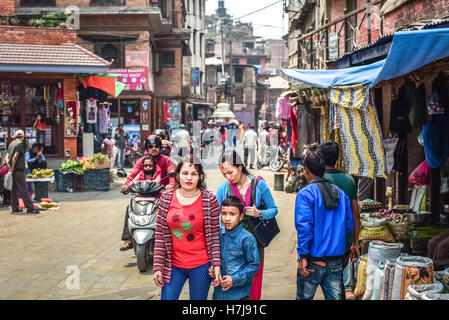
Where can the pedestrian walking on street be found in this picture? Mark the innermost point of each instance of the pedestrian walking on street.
(16, 163)
(263, 140)
(329, 150)
(249, 146)
(121, 141)
(239, 254)
(187, 241)
(182, 141)
(323, 217)
(239, 184)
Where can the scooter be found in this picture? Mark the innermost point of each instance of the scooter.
(142, 211)
(265, 160)
(279, 159)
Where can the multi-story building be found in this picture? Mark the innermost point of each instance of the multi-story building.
(146, 42)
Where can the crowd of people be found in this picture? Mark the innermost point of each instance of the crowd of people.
(204, 237)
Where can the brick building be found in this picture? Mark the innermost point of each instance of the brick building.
(37, 67)
(146, 42)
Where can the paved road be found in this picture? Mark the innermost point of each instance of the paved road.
(39, 253)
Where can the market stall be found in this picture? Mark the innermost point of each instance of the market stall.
(396, 233)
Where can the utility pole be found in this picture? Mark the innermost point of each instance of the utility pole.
(223, 77)
(231, 78)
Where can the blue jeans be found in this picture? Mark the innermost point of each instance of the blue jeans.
(330, 278)
(350, 278)
(120, 157)
(199, 283)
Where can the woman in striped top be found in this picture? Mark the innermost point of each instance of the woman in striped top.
(187, 235)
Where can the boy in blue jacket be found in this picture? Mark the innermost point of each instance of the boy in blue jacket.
(323, 216)
(239, 254)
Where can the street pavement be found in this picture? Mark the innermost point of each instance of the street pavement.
(43, 255)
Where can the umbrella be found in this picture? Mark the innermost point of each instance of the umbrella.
(220, 123)
(234, 121)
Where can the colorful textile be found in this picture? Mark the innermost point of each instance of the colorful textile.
(390, 146)
(359, 128)
(283, 107)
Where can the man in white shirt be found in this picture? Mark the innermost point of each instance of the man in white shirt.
(249, 146)
(182, 140)
(264, 140)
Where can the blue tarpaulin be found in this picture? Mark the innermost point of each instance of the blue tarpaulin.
(409, 51)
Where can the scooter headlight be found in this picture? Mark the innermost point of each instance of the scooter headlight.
(141, 220)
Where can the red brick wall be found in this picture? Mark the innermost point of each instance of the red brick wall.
(337, 11)
(7, 8)
(415, 11)
(32, 35)
(169, 82)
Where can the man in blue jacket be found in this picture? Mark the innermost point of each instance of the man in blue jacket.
(323, 216)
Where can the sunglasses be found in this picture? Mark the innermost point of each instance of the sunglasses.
(148, 165)
(153, 146)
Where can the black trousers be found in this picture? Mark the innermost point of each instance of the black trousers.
(126, 235)
(20, 190)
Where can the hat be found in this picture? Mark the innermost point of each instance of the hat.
(182, 126)
(20, 134)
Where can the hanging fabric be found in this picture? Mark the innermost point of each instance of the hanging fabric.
(359, 128)
(283, 107)
(294, 125)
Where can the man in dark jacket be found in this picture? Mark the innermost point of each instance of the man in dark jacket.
(16, 151)
(323, 216)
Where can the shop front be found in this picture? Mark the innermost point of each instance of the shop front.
(38, 80)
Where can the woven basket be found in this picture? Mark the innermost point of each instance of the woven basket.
(97, 180)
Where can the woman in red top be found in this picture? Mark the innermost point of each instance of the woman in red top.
(39, 124)
(187, 235)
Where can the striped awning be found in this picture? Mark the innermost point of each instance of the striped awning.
(360, 135)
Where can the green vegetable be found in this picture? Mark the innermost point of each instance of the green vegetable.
(72, 166)
(100, 156)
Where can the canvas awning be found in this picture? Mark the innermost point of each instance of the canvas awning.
(409, 51)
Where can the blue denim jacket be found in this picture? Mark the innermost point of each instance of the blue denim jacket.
(240, 260)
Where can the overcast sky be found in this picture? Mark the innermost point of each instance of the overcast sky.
(267, 23)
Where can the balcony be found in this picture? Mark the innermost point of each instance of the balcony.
(354, 30)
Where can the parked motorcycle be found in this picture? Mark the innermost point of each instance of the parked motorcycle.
(265, 160)
(279, 159)
(142, 211)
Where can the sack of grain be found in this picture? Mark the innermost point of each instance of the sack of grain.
(446, 279)
(378, 281)
(388, 279)
(378, 252)
(411, 270)
(435, 296)
(361, 277)
(416, 291)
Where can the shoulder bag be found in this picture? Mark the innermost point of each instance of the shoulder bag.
(264, 230)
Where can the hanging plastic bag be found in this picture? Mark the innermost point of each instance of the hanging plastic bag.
(420, 176)
(435, 106)
(8, 181)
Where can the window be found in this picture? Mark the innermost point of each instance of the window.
(253, 61)
(168, 59)
(238, 75)
(107, 2)
(109, 51)
(35, 3)
(249, 45)
(239, 95)
(235, 61)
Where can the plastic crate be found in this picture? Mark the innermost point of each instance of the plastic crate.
(97, 180)
(40, 190)
(64, 182)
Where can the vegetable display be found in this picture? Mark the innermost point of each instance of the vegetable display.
(40, 173)
(72, 166)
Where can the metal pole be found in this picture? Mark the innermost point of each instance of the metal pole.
(231, 78)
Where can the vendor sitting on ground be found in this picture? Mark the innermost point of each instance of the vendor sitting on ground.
(438, 250)
(35, 158)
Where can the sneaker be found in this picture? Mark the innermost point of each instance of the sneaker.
(350, 295)
(127, 245)
(33, 211)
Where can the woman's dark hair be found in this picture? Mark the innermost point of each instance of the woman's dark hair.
(233, 201)
(315, 163)
(232, 157)
(329, 151)
(190, 159)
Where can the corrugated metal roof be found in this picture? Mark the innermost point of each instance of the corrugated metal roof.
(49, 55)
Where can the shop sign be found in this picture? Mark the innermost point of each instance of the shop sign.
(136, 58)
(333, 45)
(195, 77)
(135, 79)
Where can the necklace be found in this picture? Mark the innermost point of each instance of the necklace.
(244, 182)
(182, 194)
